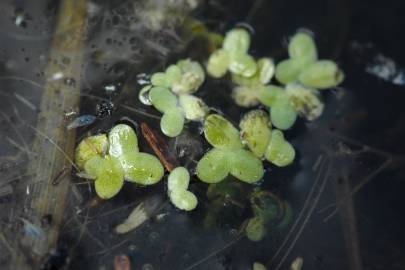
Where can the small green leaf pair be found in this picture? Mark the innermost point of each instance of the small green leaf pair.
(165, 101)
(123, 161)
(282, 112)
(177, 184)
(303, 65)
(256, 132)
(176, 109)
(228, 155)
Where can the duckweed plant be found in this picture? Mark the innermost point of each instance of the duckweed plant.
(170, 93)
(110, 160)
(177, 184)
(227, 155)
(257, 134)
(302, 75)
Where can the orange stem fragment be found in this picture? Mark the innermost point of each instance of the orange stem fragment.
(160, 147)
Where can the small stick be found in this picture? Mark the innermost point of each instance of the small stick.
(59, 176)
(159, 146)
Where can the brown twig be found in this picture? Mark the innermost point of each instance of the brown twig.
(159, 146)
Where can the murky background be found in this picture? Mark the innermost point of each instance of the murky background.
(344, 189)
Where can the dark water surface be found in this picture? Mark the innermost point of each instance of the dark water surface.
(359, 133)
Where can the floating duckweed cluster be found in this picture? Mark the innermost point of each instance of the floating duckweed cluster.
(170, 93)
(302, 74)
(227, 156)
(177, 184)
(114, 158)
(111, 160)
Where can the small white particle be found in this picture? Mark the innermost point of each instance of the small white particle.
(110, 88)
(56, 76)
(19, 19)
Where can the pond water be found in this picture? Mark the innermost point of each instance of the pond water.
(341, 197)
